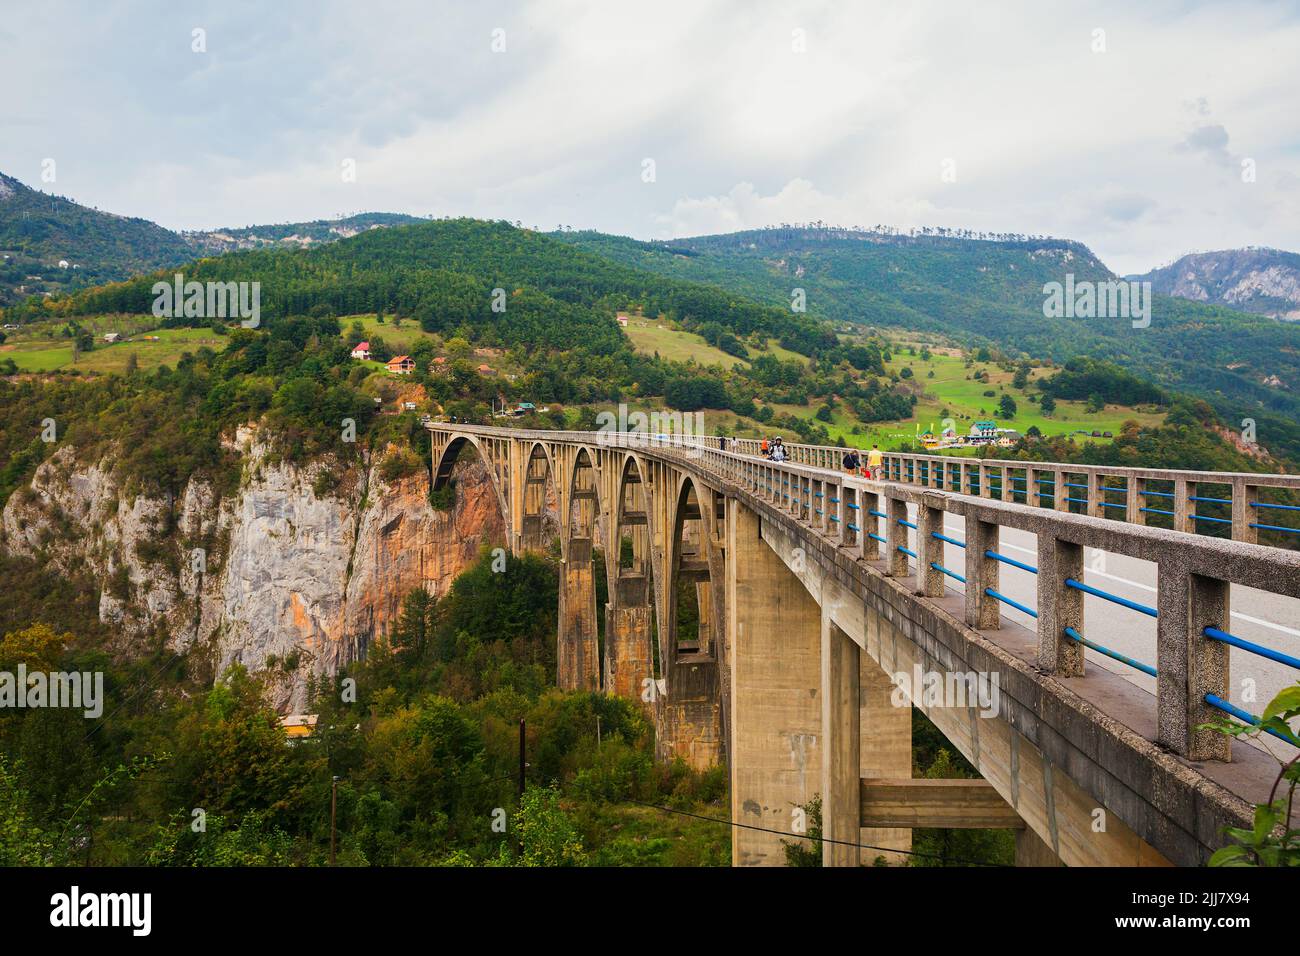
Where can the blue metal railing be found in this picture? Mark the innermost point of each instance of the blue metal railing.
(1113, 598)
(1244, 716)
(1226, 638)
(1006, 600)
(1011, 561)
(951, 574)
(1276, 527)
(1074, 635)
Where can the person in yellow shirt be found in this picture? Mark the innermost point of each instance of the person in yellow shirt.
(874, 460)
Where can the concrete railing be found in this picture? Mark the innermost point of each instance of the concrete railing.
(1192, 501)
(869, 519)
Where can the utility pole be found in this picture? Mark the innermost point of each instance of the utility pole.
(334, 804)
(522, 764)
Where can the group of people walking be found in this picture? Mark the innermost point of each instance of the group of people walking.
(852, 463)
(773, 449)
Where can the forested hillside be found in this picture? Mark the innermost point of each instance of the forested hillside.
(991, 291)
(39, 231)
(551, 306)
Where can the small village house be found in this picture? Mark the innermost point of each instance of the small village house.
(362, 351)
(401, 365)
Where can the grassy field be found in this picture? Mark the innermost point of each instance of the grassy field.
(649, 337)
(396, 337)
(952, 392)
(42, 349)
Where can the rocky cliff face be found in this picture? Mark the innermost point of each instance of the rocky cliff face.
(1266, 281)
(273, 576)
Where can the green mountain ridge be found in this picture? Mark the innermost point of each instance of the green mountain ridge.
(39, 231)
(984, 291)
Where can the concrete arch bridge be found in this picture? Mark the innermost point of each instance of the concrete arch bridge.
(784, 617)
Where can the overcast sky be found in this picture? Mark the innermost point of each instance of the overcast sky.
(753, 113)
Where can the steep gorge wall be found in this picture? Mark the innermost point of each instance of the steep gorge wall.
(287, 580)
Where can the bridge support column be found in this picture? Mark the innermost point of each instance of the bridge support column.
(886, 745)
(1031, 850)
(628, 654)
(774, 630)
(841, 784)
(577, 656)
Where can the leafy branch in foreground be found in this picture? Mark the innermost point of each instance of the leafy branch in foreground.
(1271, 841)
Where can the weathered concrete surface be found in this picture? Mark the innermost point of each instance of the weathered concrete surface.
(689, 714)
(943, 804)
(628, 661)
(841, 728)
(577, 655)
(776, 673)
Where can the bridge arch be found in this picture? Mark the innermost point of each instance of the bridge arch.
(540, 489)
(445, 463)
(690, 721)
(630, 659)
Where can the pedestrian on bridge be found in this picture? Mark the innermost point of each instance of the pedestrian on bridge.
(875, 459)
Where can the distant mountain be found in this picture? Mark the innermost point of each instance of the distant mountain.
(1263, 281)
(50, 244)
(990, 291)
(300, 234)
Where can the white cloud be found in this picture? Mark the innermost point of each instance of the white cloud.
(1135, 151)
